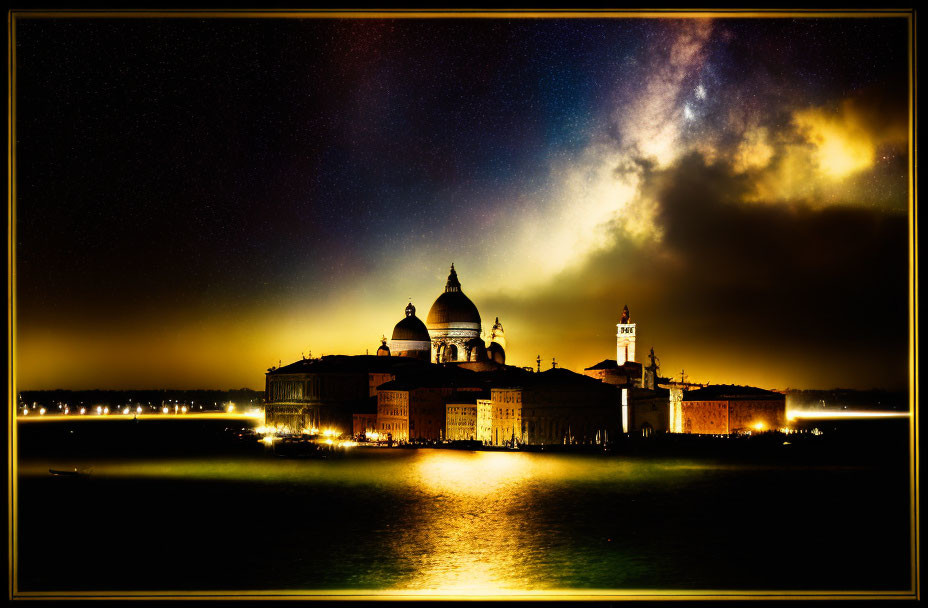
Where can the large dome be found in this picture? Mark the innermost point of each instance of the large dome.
(411, 327)
(453, 306)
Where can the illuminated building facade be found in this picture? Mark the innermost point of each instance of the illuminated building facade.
(393, 414)
(506, 425)
(324, 393)
(726, 409)
(468, 418)
(648, 411)
(413, 407)
(556, 406)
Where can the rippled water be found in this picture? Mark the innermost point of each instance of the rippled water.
(460, 522)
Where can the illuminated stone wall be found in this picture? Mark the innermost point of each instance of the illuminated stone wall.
(484, 420)
(325, 401)
(648, 413)
(461, 421)
(676, 409)
(393, 414)
(705, 417)
(506, 425)
(757, 416)
(734, 415)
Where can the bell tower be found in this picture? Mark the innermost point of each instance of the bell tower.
(625, 339)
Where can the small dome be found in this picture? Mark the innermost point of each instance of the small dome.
(496, 353)
(384, 350)
(453, 306)
(411, 327)
(477, 350)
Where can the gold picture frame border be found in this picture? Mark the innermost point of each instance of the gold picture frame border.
(556, 595)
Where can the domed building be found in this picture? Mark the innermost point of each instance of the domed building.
(411, 337)
(453, 323)
(384, 350)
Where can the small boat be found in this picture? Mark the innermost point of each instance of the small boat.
(60, 473)
(72, 473)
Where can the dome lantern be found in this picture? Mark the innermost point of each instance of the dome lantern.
(453, 283)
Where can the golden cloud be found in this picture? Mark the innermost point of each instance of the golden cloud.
(816, 158)
(841, 141)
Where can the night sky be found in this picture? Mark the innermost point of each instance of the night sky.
(198, 199)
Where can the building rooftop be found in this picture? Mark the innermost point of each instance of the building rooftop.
(552, 378)
(715, 392)
(469, 397)
(613, 364)
(604, 364)
(647, 393)
(351, 364)
(434, 376)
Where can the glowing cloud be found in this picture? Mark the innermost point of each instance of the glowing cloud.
(841, 143)
(754, 152)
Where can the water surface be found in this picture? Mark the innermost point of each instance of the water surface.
(195, 516)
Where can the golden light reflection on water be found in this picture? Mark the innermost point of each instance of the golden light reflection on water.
(464, 522)
(470, 536)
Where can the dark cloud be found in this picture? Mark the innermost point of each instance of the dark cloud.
(745, 292)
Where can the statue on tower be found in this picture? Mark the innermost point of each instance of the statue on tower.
(651, 372)
(624, 315)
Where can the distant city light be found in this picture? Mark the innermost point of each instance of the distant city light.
(843, 414)
(42, 411)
